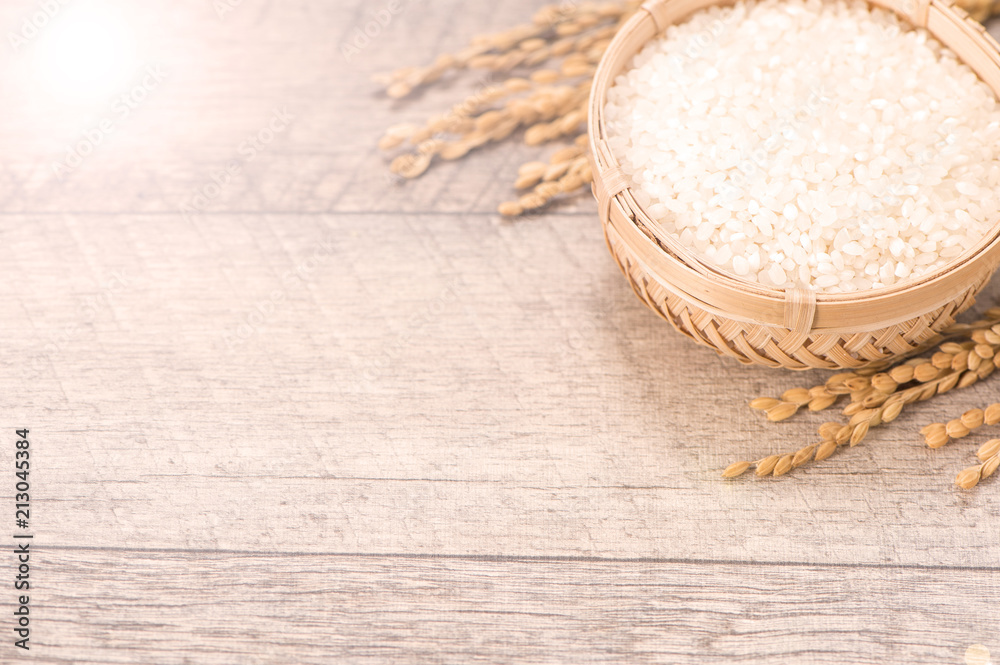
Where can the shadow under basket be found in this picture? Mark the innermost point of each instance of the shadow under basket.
(758, 325)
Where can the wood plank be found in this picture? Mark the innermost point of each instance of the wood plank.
(95, 606)
(223, 78)
(464, 388)
(223, 87)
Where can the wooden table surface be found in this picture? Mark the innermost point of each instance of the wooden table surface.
(320, 417)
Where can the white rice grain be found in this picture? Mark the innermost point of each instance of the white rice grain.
(812, 142)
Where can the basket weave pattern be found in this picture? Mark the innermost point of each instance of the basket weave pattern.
(793, 328)
(752, 344)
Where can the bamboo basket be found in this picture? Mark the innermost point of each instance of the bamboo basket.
(758, 325)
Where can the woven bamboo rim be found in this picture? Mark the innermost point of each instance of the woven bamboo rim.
(755, 324)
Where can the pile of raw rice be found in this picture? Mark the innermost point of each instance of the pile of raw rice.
(809, 142)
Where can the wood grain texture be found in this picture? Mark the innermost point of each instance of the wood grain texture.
(379, 609)
(332, 419)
